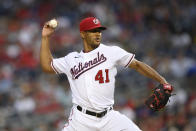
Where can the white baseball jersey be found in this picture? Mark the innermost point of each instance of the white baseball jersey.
(92, 75)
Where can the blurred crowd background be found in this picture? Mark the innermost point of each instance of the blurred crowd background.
(162, 33)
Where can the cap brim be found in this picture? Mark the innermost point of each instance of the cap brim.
(102, 28)
(97, 27)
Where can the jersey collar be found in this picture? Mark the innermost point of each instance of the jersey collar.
(91, 52)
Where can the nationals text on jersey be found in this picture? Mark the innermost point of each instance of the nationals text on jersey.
(79, 69)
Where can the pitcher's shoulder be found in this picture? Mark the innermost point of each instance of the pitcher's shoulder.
(72, 54)
(111, 47)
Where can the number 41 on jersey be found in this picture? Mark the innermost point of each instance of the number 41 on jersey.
(99, 76)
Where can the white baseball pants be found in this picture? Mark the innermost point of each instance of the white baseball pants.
(112, 121)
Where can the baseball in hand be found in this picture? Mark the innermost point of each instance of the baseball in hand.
(53, 23)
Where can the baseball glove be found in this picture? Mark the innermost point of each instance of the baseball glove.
(159, 97)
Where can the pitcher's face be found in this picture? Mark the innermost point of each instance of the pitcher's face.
(93, 37)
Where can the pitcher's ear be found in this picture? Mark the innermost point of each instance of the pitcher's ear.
(82, 34)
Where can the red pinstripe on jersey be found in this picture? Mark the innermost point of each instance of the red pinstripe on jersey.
(55, 70)
(130, 60)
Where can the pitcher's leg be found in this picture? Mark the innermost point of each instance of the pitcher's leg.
(119, 122)
(69, 126)
(78, 121)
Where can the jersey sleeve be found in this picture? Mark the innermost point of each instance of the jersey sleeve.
(122, 57)
(60, 65)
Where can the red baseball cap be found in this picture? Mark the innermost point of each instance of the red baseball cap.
(90, 23)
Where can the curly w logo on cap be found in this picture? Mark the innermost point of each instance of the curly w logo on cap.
(96, 21)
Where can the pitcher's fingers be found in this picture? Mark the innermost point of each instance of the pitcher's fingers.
(46, 25)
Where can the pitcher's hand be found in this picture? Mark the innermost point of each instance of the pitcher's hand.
(47, 30)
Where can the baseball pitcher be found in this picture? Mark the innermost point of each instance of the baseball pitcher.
(91, 74)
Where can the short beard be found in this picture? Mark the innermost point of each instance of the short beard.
(94, 46)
